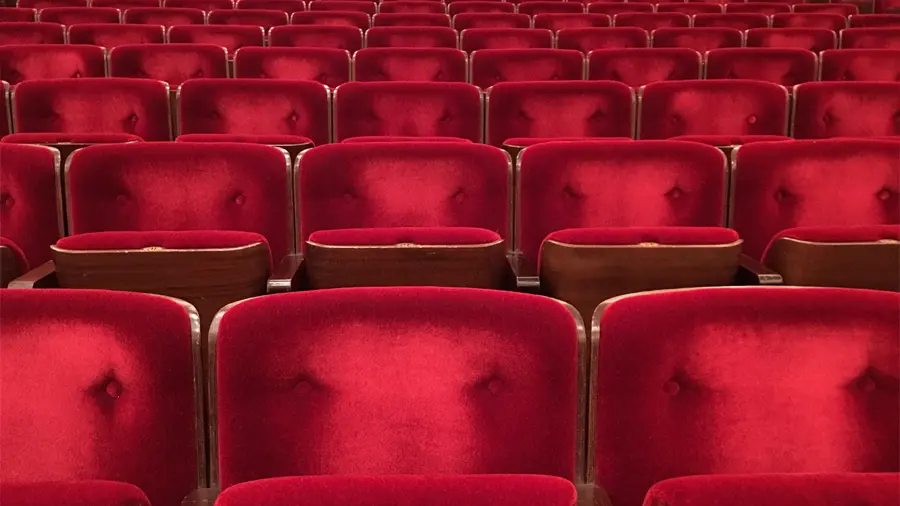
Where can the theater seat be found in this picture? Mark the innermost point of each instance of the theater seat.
(875, 20)
(737, 20)
(846, 109)
(411, 7)
(613, 8)
(784, 66)
(75, 15)
(31, 33)
(348, 38)
(328, 66)
(205, 5)
(16, 14)
(834, 22)
(476, 6)
(652, 20)
(20, 63)
(558, 22)
(231, 37)
(589, 39)
(467, 20)
(698, 39)
(492, 66)
(639, 66)
(395, 138)
(364, 6)
(811, 39)
(689, 8)
(438, 64)
(410, 19)
(248, 17)
(861, 65)
(870, 38)
(473, 39)
(766, 8)
(288, 6)
(537, 7)
(165, 16)
(411, 36)
(171, 63)
(358, 19)
(73, 493)
(111, 36)
(844, 9)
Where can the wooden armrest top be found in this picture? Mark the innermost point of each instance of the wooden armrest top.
(287, 274)
(201, 497)
(42, 276)
(754, 272)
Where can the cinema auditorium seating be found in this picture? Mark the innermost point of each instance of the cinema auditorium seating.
(171, 63)
(438, 64)
(50, 61)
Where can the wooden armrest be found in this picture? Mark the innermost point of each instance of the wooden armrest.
(590, 494)
(287, 276)
(753, 272)
(43, 276)
(201, 497)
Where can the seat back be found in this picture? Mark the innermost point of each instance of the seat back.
(846, 109)
(231, 38)
(467, 20)
(111, 36)
(767, 8)
(411, 19)
(14, 14)
(171, 63)
(165, 16)
(844, 9)
(870, 38)
(476, 6)
(50, 61)
(558, 22)
(410, 64)
(348, 38)
(411, 36)
(492, 66)
(811, 39)
(258, 17)
(412, 7)
(204, 5)
(32, 33)
(328, 66)
(536, 7)
(288, 6)
(875, 20)
(738, 20)
(473, 39)
(589, 39)
(613, 8)
(861, 65)
(691, 8)
(652, 20)
(784, 66)
(639, 66)
(698, 39)
(365, 6)
(75, 15)
(809, 20)
(357, 19)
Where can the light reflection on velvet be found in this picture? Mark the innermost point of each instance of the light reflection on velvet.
(73, 493)
(49, 61)
(813, 183)
(652, 20)
(474, 39)
(478, 7)
(348, 38)
(812, 39)
(535, 7)
(639, 66)
(589, 39)
(182, 186)
(31, 33)
(166, 17)
(343, 5)
(119, 404)
(870, 38)
(77, 15)
(249, 17)
(784, 66)
(412, 7)
(406, 381)
(492, 66)
(738, 20)
(172, 63)
(861, 65)
(557, 22)
(846, 109)
(410, 64)
(411, 20)
(613, 8)
(698, 39)
(411, 36)
(616, 184)
(332, 18)
(110, 35)
(559, 109)
(231, 37)
(809, 20)
(328, 66)
(28, 207)
(746, 380)
(490, 20)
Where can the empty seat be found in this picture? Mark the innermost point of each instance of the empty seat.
(412, 7)
(125, 4)
(476, 6)
(32, 33)
(13, 14)
(420, 109)
(473, 39)
(93, 106)
(288, 6)
(732, 406)
(639, 66)
(844, 9)
(535, 7)
(97, 493)
(172, 63)
(468, 20)
(809, 20)
(784, 66)
(328, 66)
(689, 8)
(75, 15)
(613, 8)
(231, 38)
(110, 35)
(165, 16)
(258, 17)
(589, 39)
(870, 38)
(344, 5)
(846, 109)
(559, 109)
(411, 20)
(738, 20)
(43, 4)
(409, 64)
(854, 182)
(288, 111)
(652, 20)
(492, 66)
(698, 39)
(767, 8)
(204, 5)
(348, 38)
(811, 39)
(356, 19)
(397, 138)
(50, 61)
(875, 20)
(861, 65)
(560, 21)
(411, 36)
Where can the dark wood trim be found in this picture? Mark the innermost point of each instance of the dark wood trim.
(9, 266)
(42, 276)
(288, 275)
(201, 497)
(753, 272)
(873, 265)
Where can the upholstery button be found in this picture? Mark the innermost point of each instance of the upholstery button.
(459, 196)
(674, 193)
(303, 387)
(7, 201)
(751, 119)
(199, 73)
(866, 384)
(494, 386)
(133, 119)
(113, 389)
(671, 387)
(348, 196)
(77, 73)
(239, 199)
(884, 194)
(780, 195)
(293, 117)
(570, 192)
(826, 118)
(121, 198)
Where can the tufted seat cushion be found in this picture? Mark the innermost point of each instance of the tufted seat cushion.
(698, 39)
(410, 380)
(531, 141)
(589, 39)
(410, 64)
(839, 182)
(559, 109)
(388, 138)
(73, 493)
(411, 36)
(625, 236)
(739, 20)
(423, 236)
(325, 65)
(861, 65)
(559, 21)
(639, 66)
(251, 139)
(111, 35)
(348, 38)
(473, 39)
(356, 19)
(410, 19)
(29, 212)
(730, 140)
(167, 16)
(65, 138)
(492, 66)
(811, 39)
(537, 7)
(749, 380)
(231, 37)
(784, 66)
(29, 32)
(48, 61)
(652, 20)
(490, 19)
(846, 109)
(172, 63)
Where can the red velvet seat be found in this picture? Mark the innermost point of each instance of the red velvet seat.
(204, 5)
(472, 490)
(280, 107)
(589, 39)
(73, 493)
(838, 182)
(476, 6)
(165, 16)
(30, 215)
(172, 63)
(557, 22)
(365, 6)
(738, 20)
(125, 4)
(69, 138)
(809, 20)
(861, 65)
(411, 20)
(288, 6)
(121, 403)
(718, 371)
(467, 20)
(43, 4)
(356, 19)
(875, 20)
(784, 66)
(408, 109)
(690, 8)
(639, 66)
(846, 109)
(75, 15)
(524, 142)
(811, 39)
(31, 33)
(492, 66)
(17, 14)
(409, 64)
(328, 66)
(473, 39)
(870, 38)
(844, 9)
(259, 17)
(698, 39)
(767, 8)
(411, 36)
(559, 109)
(20, 63)
(110, 35)
(348, 38)
(728, 140)
(231, 38)
(613, 8)
(412, 7)
(386, 138)
(536, 7)
(500, 381)
(94, 106)
(652, 20)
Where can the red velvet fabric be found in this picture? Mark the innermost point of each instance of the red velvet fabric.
(94, 105)
(206, 5)
(846, 109)
(404, 184)
(712, 107)
(858, 233)
(809, 20)
(423, 236)
(369, 8)
(14, 14)
(613, 8)
(125, 4)
(411, 36)
(738, 20)
(639, 66)
(50, 61)
(531, 141)
(411, 20)
(473, 39)
(535, 7)
(879, 20)
(844, 9)
(31, 33)
(476, 6)
(75, 15)
(258, 17)
(616, 184)
(73, 138)
(251, 139)
(559, 109)
(767, 8)
(231, 37)
(745, 380)
(328, 66)
(730, 140)
(589, 39)
(698, 39)
(28, 203)
(812, 39)
(689, 8)
(42, 4)
(861, 65)
(418, 380)
(492, 66)
(359, 20)
(470, 490)
(182, 186)
(412, 7)
(119, 404)
(255, 107)
(416, 109)
(784, 66)
(385, 138)
(870, 38)
(110, 35)
(627, 236)
(837, 182)
(73, 493)
(652, 20)
(410, 64)
(348, 38)
(172, 63)
(167, 17)
(288, 6)
(557, 22)
(469, 20)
